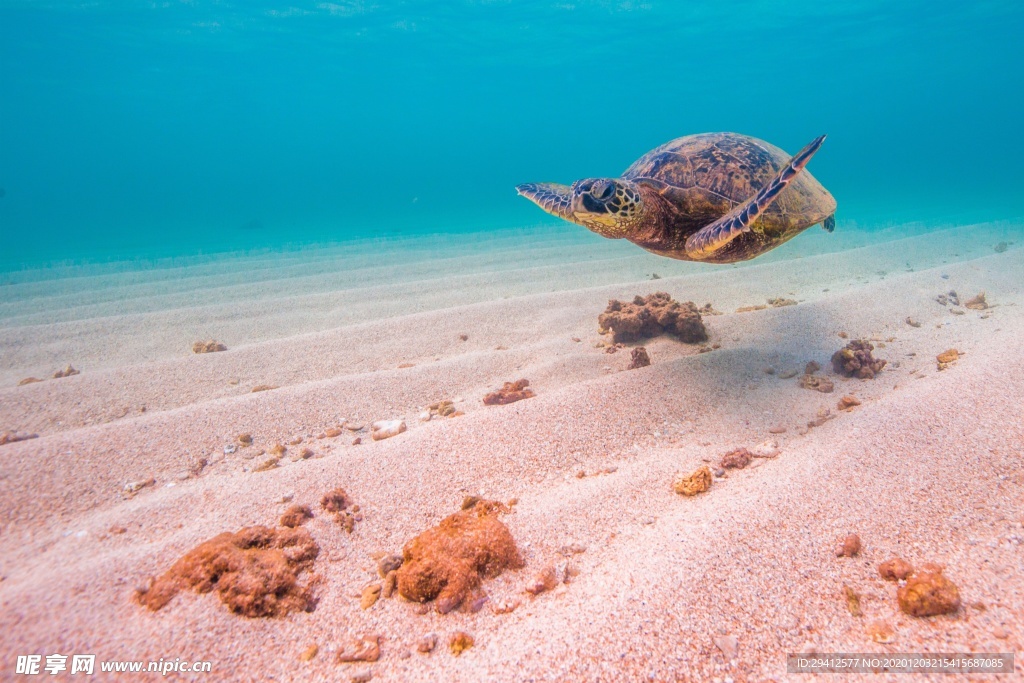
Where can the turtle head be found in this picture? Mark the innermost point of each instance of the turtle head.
(611, 207)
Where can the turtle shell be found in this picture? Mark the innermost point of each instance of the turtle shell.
(704, 176)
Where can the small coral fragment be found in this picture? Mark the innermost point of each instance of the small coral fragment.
(255, 572)
(544, 581)
(650, 316)
(12, 436)
(68, 371)
(388, 564)
(268, 464)
(928, 594)
(697, 482)
(427, 643)
(852, 601)
(855, 360)
(509, 393)
(295, 516)
(309, 653)
(896, 569)
(815, 383)
(448, 561)
(370, 595)
(881, 632)
(211, 346)
(848, 403)
(750, 309)
(639, 358)
(849, 547)
(977, 303)
(29, 380)
(262, 387)
(365, 648)
(780, 302)
(245, 439)
(460, 642)
(736, 459)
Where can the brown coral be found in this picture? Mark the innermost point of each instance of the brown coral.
(335, 501)
(255, 571)
(211, 346)
(639, 358)
(928, 594)
(977, 303)
(68, 371)
(295, 516)
(855, 360)
(509, 393)
(448, 561)
(651, 316)
(736, 459)
(896, 569)
(697, 482)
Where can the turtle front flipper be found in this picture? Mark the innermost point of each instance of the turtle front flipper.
(713, 237)
(552, 197)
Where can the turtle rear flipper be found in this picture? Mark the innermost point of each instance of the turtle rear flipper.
(829, 224)
(714, 236)
(551, 197)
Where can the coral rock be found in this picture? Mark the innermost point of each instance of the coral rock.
(850, 547)
(66, 372)
(692, 484)
(947, 358)
(363, 649)
(211, 346)
(255, 571)
(245, 439)
(650, 316)
(309, 653)
(896, 569)
(427, 643)
(295, 516)
(855, 360)
(460, 642)
(370, 595)
(448, 561)
(385, 429)
(736, 459)
(388, 564)
(509, 393)
(639, 358)
(928, 594)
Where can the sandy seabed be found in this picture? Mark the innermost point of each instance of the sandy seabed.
(719, 586)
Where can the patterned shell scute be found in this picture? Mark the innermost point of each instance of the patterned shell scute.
(731, 168)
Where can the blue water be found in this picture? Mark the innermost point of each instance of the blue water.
(169, 128)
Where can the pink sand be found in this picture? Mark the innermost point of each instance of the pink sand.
(928, 468)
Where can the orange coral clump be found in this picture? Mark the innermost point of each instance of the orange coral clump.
(651, 316)
(335, 501)
(445, 563)
(460, 642)
(255, 571)
(509, 393)
(928, 594)
(855, 360)
(691, 485)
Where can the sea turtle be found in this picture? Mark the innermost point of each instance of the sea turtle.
(713, 197)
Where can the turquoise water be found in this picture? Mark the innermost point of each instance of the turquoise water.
(175, 128)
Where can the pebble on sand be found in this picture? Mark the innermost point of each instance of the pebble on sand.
(370, 595)
(928, 594)
(848, 403)
(460, 642)
(544, 581)
(365, 648)
(947, 358)
(896, 569)
(849, 546)
(385, 429)
(309, 653)
(426, 643)
(697, 482)
(211, 346)
(639, 358)
(728, 645)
